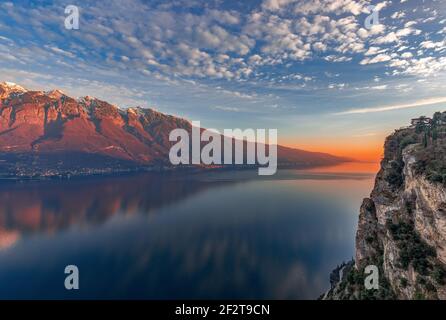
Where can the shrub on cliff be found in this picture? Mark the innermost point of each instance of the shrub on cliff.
(408, 140)
(431, 163)
(413, 250)
(394, 175)
(439, 274)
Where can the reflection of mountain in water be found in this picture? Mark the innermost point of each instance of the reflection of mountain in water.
(49, 206)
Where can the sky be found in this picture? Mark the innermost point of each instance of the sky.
(334, 75)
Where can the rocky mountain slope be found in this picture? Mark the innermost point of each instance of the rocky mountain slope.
(50, 133)
(402, 226)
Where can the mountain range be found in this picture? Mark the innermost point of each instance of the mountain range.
(50, 133)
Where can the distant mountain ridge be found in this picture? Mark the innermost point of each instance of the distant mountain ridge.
(54, 132)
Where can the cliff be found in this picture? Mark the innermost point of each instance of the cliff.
(402, 226)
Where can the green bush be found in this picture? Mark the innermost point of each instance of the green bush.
(408, 140)
(404, 282)
(421, 280)
(430, 287)
(431, 162)
(395, 173)
(419, 296)
(439, 274)
(412, 248)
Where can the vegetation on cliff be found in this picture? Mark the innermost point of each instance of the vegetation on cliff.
(351, 285)
(432, 157)
(400, 227)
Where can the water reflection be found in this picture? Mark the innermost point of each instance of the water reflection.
(51, 206)
(217, 235)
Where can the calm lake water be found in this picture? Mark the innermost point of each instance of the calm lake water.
(212, 235)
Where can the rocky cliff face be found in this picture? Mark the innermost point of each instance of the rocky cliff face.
(402, 226)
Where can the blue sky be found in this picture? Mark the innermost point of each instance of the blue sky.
(310, 68)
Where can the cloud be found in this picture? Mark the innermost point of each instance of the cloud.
(388, 38)
(407, 55)
(433, 45)
(333, 58)
(374, 50)
(422, 67)
(381, 87)
(274, 5)
(8, 56)
(338, 7)
(364, 135)
(339, 86)
(5, 39)
(314, 6)
(229, 109)
(60, 51)
(398, 15)
(218, 43)
(416, 104)
(379, 58)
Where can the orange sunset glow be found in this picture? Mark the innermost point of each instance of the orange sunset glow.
(364, 149)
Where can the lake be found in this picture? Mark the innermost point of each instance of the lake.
(225, 235)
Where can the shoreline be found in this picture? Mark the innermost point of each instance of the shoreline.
(64, 175)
